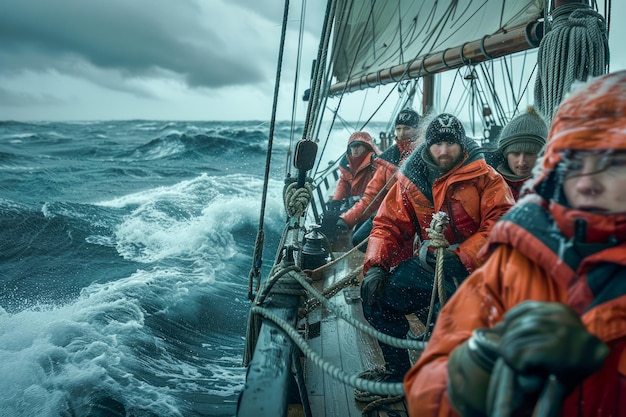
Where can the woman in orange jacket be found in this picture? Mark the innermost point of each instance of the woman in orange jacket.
(544, 320)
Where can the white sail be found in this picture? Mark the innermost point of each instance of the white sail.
(378, 42)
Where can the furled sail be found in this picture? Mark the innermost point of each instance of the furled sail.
(380, 42)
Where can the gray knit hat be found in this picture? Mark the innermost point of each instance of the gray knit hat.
(526, 133)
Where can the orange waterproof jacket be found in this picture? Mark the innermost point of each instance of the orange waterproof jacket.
(526, 266)
(356, 173)
(538, 255)
(473, 195)
(384, 178)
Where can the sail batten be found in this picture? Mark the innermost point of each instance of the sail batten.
(411, 38)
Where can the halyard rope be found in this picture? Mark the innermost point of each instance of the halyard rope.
(575, 48)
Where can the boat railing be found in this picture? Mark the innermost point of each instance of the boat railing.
(274, 365)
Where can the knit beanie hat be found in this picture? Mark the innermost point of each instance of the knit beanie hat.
(408, 117)
(525, 133)
(445, 128)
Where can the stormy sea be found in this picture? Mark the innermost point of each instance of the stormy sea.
(125, 251)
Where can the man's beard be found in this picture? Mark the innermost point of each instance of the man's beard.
(446, 162)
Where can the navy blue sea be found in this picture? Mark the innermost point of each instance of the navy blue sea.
(124, 257)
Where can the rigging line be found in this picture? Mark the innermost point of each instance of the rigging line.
(313, 116)
(445, 106)
(380, 105)
(295, 87)
(328, 78)
(257, 258)
(495, 97)
(501, 111)
(320, 66)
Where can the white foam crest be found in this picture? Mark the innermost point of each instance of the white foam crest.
(193, 219)
(51, 352)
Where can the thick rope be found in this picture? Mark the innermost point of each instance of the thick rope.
(575, 49)
(337, 373)
(438, 241)
(297, 199)
(328, 292)
(369, 330)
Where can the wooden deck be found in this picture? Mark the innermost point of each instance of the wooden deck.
(345, 347)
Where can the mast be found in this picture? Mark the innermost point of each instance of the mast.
(428, 96)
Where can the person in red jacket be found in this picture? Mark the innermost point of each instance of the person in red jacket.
(407, 139)
(543, 322)
(447, 173)
(357, 167)
(520, 142)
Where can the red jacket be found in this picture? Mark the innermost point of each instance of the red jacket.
(537, 255)
(384, 178)
(473, 195)
(526, 266)
(356, 173)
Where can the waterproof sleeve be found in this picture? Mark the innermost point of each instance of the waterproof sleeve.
(391, 238)
(506, 279)
(495, 200)
(343, 185)
(372, 197)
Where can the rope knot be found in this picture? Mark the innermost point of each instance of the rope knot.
(435, 232)
(297, 199)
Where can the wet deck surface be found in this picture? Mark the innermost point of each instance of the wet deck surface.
(345, 347)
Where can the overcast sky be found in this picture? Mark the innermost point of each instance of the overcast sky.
(156, 59)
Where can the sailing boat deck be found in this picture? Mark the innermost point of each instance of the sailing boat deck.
(343, 346)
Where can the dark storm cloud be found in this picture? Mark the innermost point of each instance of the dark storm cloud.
(138, 38)
(18, 99)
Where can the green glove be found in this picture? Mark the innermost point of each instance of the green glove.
(549, 339)
(502, 371)
(469, 371)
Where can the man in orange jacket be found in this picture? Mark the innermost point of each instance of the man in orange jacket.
(494, 352)
(447, 173)
(407, 139)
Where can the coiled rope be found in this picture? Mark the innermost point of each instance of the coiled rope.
(574, 49)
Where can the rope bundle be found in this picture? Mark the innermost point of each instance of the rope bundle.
(574, 49)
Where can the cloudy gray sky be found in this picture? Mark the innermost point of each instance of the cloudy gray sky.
(155, 59)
